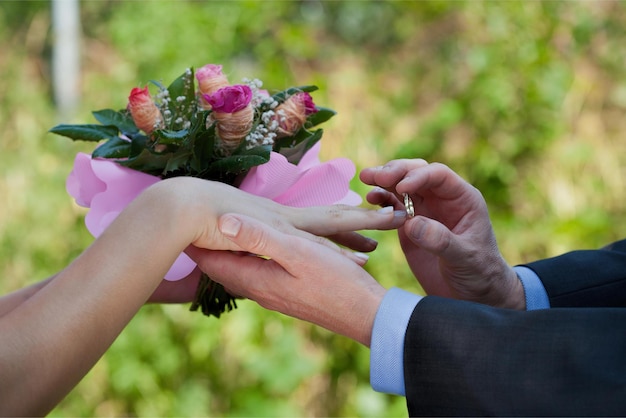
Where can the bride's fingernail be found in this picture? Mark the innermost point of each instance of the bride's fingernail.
(385, 210)
(399, 214)
(230, 226)
(362, 256)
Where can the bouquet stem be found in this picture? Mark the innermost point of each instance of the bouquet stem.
(212, 298)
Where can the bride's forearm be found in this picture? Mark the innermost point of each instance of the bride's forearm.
(52, 339)
(14, 299)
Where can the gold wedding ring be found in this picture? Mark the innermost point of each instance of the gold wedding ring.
(408, 205)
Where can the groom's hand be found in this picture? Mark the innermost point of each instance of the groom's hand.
(309, 279)
(450, 244)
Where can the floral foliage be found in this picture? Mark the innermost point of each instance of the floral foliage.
(213, 133)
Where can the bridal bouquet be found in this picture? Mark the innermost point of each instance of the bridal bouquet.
(202, 126)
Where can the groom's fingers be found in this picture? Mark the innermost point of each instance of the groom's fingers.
(381, 197)
(430, 235)
(437, 239)
(390, 174)
(258, 238)
(234, 270)
(439, 180)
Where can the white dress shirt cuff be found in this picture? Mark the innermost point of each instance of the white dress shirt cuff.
(387, 345)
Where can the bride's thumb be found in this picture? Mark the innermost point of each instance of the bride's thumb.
(429, 234)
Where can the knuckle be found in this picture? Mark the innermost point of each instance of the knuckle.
(324, 241)
(256, 241)
(337, 211)
(277, 224)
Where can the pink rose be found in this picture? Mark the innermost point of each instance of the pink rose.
(310, 183)
(106, 188)
(210, 79)
(307, 101)
(230, 99)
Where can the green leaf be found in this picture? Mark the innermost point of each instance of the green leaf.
(178, 162)
(240, 163)
(198, 127)
(237, 164)
(285, 94)
(170, 137)
(160, 85)
(147, 162)
(292, 141)
(203, 147)
(139, 143)
(182, 102)
(322, 115)
(114, 148)
(122, 120)
(294, 154)
(87, 132)
(262, 150)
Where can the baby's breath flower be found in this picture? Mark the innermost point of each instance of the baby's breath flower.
(163, 95)
(267, 117)
(258, 95)
(274, 125)
(260, 135)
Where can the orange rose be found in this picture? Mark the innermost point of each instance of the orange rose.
(210, 79)
(144, 112)
(292, 114)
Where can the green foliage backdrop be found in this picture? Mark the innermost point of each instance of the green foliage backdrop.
(527, 100)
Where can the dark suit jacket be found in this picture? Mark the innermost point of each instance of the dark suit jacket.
(468, 359)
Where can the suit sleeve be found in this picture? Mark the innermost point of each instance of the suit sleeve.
(467, 359)
(585, 278)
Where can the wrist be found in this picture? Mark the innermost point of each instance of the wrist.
(359, 318)
(511, 291)
(502, 288)
(350, 312)
(516, 298)
(367, 324)
(183, 214)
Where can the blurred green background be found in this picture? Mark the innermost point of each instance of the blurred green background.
(527, 100)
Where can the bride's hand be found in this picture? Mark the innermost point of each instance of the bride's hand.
(204, 201)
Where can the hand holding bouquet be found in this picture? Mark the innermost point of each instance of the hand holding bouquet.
(242, 135)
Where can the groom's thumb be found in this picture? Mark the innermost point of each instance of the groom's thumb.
(247, 233)
(428, 234)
